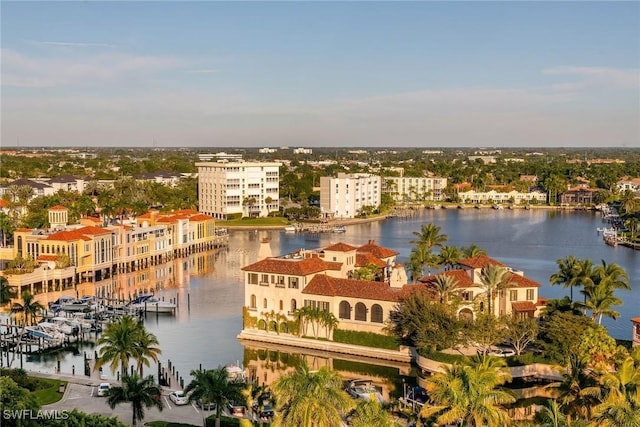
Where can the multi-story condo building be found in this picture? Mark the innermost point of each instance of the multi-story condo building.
(344, 196)
(414, 189)
(493, 196)
(238, 187)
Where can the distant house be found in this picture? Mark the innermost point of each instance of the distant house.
(635, 331)
(628, 184)
(578, 196)
(39, 188)
(170, 179)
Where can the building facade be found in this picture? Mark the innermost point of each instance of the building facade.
(345, 196)
(414, 189)
(238, 188)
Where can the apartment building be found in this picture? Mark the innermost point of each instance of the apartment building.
(344, 196)
(238, 188)
(405, 189)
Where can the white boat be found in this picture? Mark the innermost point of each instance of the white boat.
(150, 303)
(290, 229)
(339, 229)
(364, 389)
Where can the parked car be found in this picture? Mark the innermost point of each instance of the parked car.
(205, 405)
(103, 388)
(267, 412)
(178, 397)
(501, 352)
(235, 409)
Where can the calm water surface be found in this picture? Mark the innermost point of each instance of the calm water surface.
(208, 320)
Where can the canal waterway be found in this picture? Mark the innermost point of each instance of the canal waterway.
(209, 286)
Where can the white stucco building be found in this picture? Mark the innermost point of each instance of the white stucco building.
(414, 189)
(345, 195)
(238, 187)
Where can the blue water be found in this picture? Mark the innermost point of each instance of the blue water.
(209, 318)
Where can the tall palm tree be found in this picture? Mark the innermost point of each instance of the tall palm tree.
(423, 257)
(470, 393)
(449, 256)
(621, 396)
(611, 275)
(575, 402)
(493, 279)
(29, 308)
(472, 251)
(7, 292)
(214, 385)
(600, 300)
(141, 392)
(550, 415)
(146, 350)
(429, 236)
(310, 399)
(568, 273)
(445, 285)
(370, 413)
(123, 340)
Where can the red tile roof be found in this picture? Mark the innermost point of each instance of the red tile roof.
(92, 219)
(22, 230)
(377, 251)
(3, 203)
(363, 289)
(635, 319)
(521, 306)
(58, 208)
(292, 267)
(461, 276)
(48, 258)
(340, 247)
(79, 234)
(480, 261)
(362, 260)
(519, 281)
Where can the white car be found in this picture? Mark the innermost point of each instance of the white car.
(178, 398)
(103, 388)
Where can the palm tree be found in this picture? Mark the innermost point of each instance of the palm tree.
(551, 416)
(568, 274)
(470, 394)
(621, 401)
(574, 401)
(449, 256)
(429, 236)
(611, 275)
(214, 385)
(123, 340)
(472, 251)
(145, 349)
(310, 399)
(493, 278)
(370, 413)
(445, 285)
(141, 392)
(7, 292)
(29, 307)
(632, 225)
(422, 256)
(600, 300)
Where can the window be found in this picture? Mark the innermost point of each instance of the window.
(376, 313)
(361, 312)
(281, 305)
(344, 310)
(253, 278)
(280, 282)
(530, 294)
(252, 304)
(293, 282)
(294, 306)
(513, 295)
(466, 295)
(264, 280)
(264, 303)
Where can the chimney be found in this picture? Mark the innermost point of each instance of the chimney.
(265, 250)
(398, 276)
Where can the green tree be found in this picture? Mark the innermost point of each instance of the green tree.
(449, 256)
(310, 399)
(123, 340)
(429, 236)
(7, 292)
(560, 334)
(445, 286)
(619, 396)
(493, 279)
(550, 415)
(76, 418)
(471, 251)
(369, 413)
(7, 227)
(29, 307)
(470, 394)
(141, 392)
(214, 385)
(521, 331)
(568, 274)
(577, 396)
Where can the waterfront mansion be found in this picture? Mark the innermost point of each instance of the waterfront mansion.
(325, 278)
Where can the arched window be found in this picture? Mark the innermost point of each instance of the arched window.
(465, 314)
(294, 306)
(264, 303)
(344, 310)
(376, 313)
(281, 305)
(361, 312)
(253, 301)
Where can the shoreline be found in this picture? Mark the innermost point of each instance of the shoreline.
(352, 221)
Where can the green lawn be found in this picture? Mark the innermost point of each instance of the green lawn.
(48, 391)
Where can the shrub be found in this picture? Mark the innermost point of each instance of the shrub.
(367, 339)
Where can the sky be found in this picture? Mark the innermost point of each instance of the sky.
(320, 74)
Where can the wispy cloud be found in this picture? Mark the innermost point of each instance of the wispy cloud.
(617, 78)
(69, 44)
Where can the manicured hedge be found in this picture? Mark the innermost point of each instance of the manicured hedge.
(367, 339)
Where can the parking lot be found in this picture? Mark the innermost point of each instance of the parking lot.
(84, 398)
